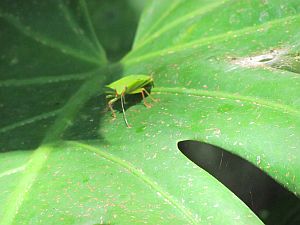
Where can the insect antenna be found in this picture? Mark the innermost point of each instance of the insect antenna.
(124, 114)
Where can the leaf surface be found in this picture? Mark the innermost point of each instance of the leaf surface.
(220, 79)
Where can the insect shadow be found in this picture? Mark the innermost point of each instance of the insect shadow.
(86, 124)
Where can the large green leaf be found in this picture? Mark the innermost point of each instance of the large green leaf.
(225, 73)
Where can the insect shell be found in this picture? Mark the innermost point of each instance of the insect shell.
(132, 84)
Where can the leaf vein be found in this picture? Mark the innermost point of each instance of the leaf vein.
(139, 174)
(22, 123)
(91, 27)
(221, 95)
(12, 171)
(74, 26)
(201, 42)
(47, 41)
(45, 79)
(180, 20)
(172, 7)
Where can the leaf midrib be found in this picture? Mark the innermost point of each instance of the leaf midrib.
(17, 197)
(40, 155)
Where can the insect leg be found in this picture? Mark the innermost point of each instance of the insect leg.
(110, 104)
(110, 96)
(124, 114)
(144, 100)
(124, 99)
(153, 99)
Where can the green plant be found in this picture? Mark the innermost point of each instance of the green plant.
(226, 73)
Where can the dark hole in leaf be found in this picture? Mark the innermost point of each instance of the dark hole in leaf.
(265, 60)
(268, 199)
(289, 62)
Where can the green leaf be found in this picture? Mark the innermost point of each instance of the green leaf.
(223, 75)
(232, 76)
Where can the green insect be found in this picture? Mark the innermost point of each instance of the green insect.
(132, 84)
